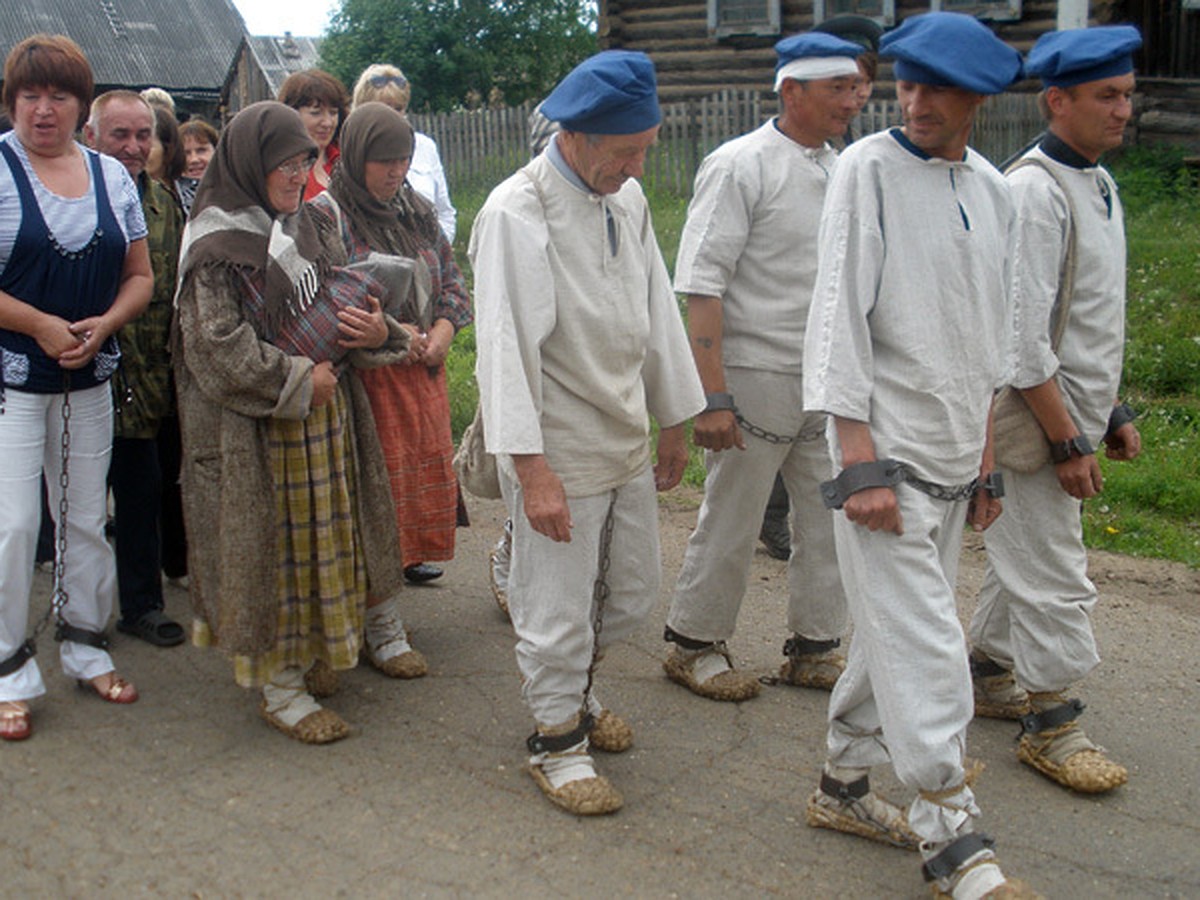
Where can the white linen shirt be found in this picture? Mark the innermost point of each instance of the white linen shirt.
(911, 318)
(576, 343)
(428, 178)
(751, 238)
(1090, 356)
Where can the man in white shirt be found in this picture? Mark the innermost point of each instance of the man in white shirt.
(1033, 618)
(747, 262)
(579, 342)
(907, 339)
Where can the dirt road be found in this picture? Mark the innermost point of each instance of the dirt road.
(188, 793)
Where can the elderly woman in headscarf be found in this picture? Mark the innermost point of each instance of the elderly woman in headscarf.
(280, 453)
(371, 207)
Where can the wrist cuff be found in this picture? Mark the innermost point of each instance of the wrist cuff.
(719, 401)
(1122, 414)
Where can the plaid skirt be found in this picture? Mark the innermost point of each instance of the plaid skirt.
(412, 415)
(321, 574)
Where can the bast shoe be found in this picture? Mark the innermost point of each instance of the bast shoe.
(691, 669)
(563, 769)
(811, 663)
(853, 808)
(288, 708)
(610, 733)
(997, 694)
(1053, 743)
(966, 868)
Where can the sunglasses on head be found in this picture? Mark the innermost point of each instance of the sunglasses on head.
(379, 81)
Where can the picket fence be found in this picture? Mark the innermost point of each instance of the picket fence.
(479, 148)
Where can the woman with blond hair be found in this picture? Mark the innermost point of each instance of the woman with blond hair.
(386, 84)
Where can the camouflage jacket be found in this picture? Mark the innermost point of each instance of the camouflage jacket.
(142, 393)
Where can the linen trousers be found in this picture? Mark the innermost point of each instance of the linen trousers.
(30, 433)
(551, 590)
(716, 566)
(1034, 612)
(905, 696)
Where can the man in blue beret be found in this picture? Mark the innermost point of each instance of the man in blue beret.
(579, 342)
(1033, 617)
(747, 260)
(906, 343)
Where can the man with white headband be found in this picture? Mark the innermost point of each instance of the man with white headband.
(907, 340)
(747, 261)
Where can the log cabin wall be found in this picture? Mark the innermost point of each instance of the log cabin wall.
(692, 63)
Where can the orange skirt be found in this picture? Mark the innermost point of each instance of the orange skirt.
(412, 415)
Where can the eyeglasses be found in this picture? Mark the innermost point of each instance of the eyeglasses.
(294, 167)
(380, 81)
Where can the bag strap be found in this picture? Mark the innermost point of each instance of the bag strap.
(1066, 281)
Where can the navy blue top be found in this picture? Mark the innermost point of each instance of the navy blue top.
(73, 285)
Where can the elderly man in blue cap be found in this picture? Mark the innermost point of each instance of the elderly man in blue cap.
(747, 261)
(1033, 616)
(907, 340)
(579, 342)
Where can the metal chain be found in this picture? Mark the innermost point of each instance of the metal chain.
(951, 493)
(600, 592)
(60, 596)
(762, 433)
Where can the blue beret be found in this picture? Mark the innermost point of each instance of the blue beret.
(1068, 58)
(614, 92)
(863, 31)
(813, 44)
(951, 49)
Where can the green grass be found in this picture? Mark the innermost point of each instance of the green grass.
(1151, 506)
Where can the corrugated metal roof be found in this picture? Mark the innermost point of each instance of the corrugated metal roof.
(175, 44)
(278, 57)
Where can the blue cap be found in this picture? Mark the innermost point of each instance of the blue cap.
(953, 50)
(614, 92)
(1068, 58)
(863, 31)
(812, 44)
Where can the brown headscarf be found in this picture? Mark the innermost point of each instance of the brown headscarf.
(374, 132)
(232, 222)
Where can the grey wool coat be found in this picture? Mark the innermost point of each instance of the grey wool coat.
(229, 383)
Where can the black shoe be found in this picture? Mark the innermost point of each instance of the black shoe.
(156, 628)
(776, 540)
(421, 573)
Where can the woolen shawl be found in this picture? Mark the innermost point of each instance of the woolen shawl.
(406, 224)
(232, 222)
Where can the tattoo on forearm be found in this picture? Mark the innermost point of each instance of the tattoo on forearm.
(704, 342)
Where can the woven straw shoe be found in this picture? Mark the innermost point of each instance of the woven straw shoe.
(813, 670)
(1065, 754)
(323, 726)
(610, 733)
(730, 685)
(320, 680)
(866, 815)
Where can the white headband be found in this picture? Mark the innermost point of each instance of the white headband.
(810, 68)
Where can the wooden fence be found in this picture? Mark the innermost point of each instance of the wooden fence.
(480, 148)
